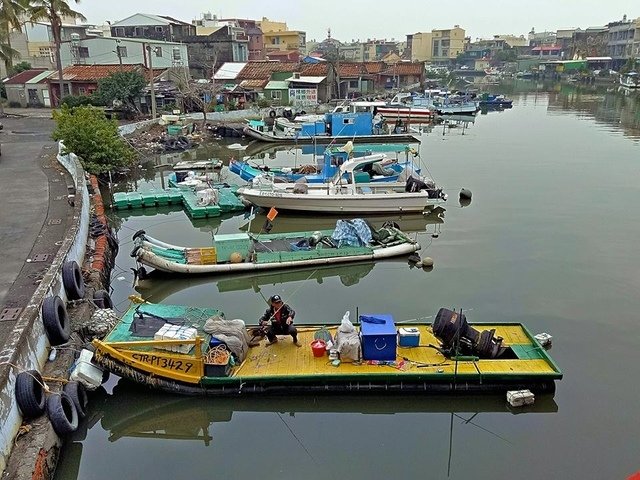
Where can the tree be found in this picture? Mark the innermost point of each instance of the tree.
(53, 11)
(199, 94)
(19, 68)
(125, 87)
(10, 13)
(86, 132)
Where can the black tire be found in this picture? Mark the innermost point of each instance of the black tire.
(30, 394)
(102, 299)
(62, 413)
(78, 394)
(272, 113)
(55, 320)
(72, 280)
(139, 233)
(302, 112)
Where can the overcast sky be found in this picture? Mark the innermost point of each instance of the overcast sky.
(358, 19)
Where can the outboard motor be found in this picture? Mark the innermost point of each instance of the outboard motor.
(459, 338)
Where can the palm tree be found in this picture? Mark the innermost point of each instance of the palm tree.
(53, 11)
(11, 12)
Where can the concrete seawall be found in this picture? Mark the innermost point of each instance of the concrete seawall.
(27, 347)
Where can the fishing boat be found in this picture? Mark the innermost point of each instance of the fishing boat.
(495, 101)
(350, 196)
(350, 241)
(208, 355)
(409, 107)
(630, 80)
(384, 169)
(350, 122)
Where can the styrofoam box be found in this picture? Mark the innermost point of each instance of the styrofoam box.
(175, 332)
(519, 398)
(86, 372)
(544, 339)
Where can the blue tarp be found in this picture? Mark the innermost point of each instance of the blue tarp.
(351, 233)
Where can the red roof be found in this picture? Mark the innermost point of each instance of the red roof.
(314, 69)
(404, 68)
(374, 67)
(262, 70)
(23, 77)
(89, 73)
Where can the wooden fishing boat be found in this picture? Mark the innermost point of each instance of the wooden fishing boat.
(246, 252)
(521, 362)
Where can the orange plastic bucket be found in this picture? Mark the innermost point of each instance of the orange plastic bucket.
(318, 347)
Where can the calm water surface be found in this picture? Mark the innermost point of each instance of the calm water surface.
(550, 239)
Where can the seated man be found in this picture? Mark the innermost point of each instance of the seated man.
(278, 319)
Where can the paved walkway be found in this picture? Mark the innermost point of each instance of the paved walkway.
(29, 178)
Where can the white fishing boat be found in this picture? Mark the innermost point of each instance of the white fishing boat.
(345, 194)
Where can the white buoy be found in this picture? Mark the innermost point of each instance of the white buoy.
(427, 262)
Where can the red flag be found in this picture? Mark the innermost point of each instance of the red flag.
(273, 213)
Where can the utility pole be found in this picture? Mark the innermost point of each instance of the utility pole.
(119, 53)
(153, 88)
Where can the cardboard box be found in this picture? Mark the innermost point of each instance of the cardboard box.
(408, 337)
(378, 336)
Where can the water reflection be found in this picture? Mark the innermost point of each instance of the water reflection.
(131, 411)
(159, 285)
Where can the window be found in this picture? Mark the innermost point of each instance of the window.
(176, 54)
(159, 29)
(83, 52)
(119, 31)
(348, 121)
(276, 95)
(353, 83)
(158, 52)
(82, 91)
(122, 52)
(139, 31)
(65, 89)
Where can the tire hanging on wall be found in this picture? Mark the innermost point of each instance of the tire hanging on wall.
(72, 280)
(30, 394)
(78, 394)
(272, 113)
(55, 320)
(102, 299)
(62, 413)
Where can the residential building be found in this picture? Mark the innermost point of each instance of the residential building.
(29, 88)
(564, 38)
(227, 43)
(621, 41)
(548, 52)
(83, 79)
(420, 47)
(277, 36)
(153, 27)
(375, 50)
(284, 55)
(125, 51)
(509, 41)
(537, 39)
(209, 23)
(447, 44)
(255, 75)
(35, 42)
(352, 51)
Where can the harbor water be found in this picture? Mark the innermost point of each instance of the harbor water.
(549, 239)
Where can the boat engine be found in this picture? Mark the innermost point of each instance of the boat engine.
(459, 338)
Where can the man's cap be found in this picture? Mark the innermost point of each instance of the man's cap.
(275, 298)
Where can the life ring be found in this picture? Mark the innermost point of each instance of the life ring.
(55, 320)
(72, 280)
(29, 393)
(287, 113)
(62, 413)
(102, 299)
(272, 113)
(78, 394)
